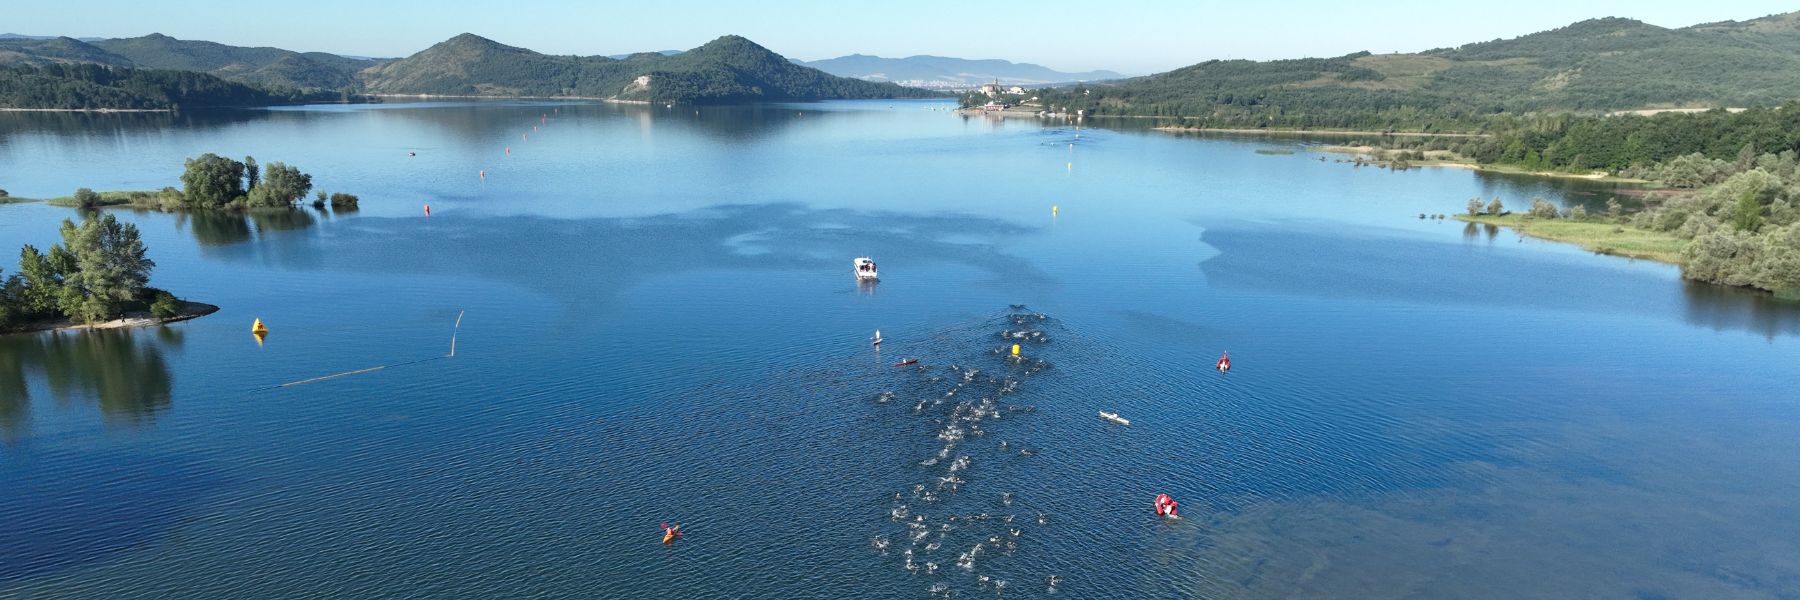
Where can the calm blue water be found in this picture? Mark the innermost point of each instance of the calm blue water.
(659, 324)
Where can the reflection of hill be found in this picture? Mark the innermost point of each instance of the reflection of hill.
(484, 122)
(128, 377)
(79, 124)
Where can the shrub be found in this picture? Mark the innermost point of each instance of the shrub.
(1474, 206)
(343, 201)
(1578, 213)
(1542, 210)
(165, 306)
(86, 198)
(1496, 208)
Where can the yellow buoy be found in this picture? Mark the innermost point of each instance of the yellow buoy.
(1053, 210)
(1015, 349)
(257, 327)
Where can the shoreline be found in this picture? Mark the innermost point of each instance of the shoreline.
(1377, 155)
(1599, 237)
(1176, 129)
(130, 320)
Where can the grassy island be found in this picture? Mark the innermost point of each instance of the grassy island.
(1598, 236)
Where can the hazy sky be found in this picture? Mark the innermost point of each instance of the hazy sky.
(1134, 36)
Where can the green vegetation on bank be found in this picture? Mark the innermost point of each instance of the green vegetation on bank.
(96, 87)
(1591, 67)
(1741, 229)
(1596, 234)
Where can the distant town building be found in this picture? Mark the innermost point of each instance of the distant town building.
(991, 89)
(1016, 90)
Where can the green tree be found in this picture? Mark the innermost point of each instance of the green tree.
(343, 201)
(164, 305)
(86, 199)
(282, 186)
(249, 173)
(1496, 208)
(1474, 206)
(1748, 214)
(212, 181)
(43, 282)
(111, 268)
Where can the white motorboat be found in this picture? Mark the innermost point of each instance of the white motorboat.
(865, 268)
(1114, 417)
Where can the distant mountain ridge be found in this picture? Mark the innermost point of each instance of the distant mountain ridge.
(728, 69)
(946, 73)
(1596, 65)
(268, 67)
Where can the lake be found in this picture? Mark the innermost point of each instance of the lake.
(659, 324)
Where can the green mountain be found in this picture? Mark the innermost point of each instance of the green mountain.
(17, 51)
(261, 66)
(267, 67)
(1592, 66)
(728, 69)
(82, 85)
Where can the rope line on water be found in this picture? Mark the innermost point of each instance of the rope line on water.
(453, 330)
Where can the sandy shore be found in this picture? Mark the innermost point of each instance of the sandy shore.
(189, 310)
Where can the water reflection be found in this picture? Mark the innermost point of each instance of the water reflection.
(81, 124)
(123, 370)
(224, 228)
(1726, 308)
(617, 253)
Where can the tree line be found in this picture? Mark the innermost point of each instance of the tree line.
(86, 86)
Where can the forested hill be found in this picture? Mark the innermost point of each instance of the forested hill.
(87, 86)
(729, 69)
(268, 67)
(1592, 66)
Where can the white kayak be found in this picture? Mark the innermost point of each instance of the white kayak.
(1114, 417)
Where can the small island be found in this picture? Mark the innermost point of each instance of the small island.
(99, 276)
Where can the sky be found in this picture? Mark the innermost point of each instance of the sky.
(1130, 36)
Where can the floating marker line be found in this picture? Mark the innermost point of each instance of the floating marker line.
(459, 316)
(453, 330)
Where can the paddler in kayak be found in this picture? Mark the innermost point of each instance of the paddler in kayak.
(1165, 506)
(1224, 363)
(670, 533)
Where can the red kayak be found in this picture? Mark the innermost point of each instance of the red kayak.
(909, 361)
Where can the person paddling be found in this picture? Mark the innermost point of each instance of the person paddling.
(670, 533)
(1224, 363)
